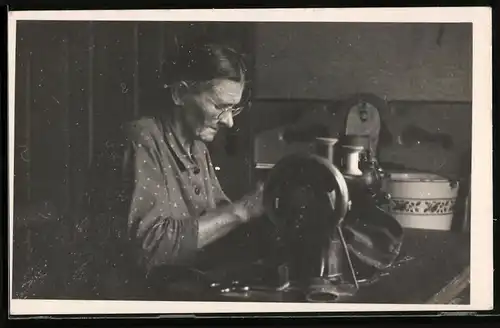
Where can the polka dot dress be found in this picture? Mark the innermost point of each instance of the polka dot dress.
(172, 188)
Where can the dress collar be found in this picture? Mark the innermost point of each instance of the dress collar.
(179, 151)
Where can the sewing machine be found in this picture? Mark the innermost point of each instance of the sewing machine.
(309, 199)
(316, 195)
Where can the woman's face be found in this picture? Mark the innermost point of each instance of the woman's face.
(207, 107)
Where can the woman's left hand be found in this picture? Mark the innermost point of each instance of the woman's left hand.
(253, 202)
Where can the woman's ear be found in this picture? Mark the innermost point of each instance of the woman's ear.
(178, 92)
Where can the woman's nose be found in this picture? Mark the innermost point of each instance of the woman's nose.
(227, 119)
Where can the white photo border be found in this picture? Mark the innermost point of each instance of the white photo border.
(481, 185)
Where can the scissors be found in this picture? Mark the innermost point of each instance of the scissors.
(233, 286)
(236, 286)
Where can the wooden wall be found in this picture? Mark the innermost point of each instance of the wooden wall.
(396, 61)
(75, 83)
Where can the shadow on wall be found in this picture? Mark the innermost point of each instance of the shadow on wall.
(429, 136)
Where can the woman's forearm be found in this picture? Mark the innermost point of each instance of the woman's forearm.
(215, 225)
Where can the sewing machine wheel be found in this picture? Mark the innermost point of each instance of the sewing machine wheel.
(305, 191)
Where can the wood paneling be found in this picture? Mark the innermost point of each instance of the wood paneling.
(76, 82)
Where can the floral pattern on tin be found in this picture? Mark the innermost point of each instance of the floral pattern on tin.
(422, 206)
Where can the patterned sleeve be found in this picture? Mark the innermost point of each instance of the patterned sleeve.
(161, 238)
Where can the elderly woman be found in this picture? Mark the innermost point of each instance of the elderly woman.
(169, 204)
(177, 205)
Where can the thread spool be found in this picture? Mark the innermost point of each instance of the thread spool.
(325, 148)
(351, 160)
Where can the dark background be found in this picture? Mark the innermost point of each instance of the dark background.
(77, 81)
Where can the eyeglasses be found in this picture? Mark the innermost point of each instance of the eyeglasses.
(236, 110)
(233, 110)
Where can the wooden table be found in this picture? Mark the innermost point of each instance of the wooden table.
(433, 269)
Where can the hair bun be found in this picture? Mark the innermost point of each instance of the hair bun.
(204, 62)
